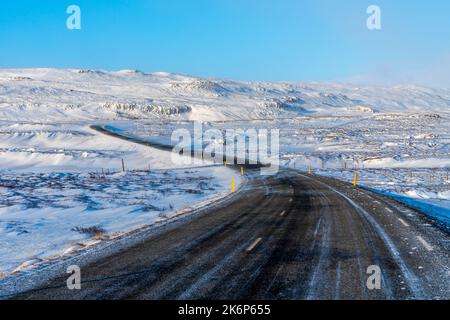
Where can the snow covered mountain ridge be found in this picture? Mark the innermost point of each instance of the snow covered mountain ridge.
(71, 94)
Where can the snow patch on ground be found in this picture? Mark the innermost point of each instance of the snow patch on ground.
(62, 189)
(45, 216)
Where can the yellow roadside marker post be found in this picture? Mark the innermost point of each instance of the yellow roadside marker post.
(232, 185)
(355, 179)
(309, 169)
(242, 171)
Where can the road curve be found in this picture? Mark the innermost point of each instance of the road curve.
(289, 236)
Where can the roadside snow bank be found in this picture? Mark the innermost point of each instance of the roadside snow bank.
(438, 210)
(427, 190)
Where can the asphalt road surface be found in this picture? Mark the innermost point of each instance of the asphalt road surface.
(289, 236)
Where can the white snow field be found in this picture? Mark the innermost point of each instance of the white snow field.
(44, 216)
(62, 190)
(61, 186)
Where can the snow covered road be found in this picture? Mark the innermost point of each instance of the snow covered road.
(292, 236)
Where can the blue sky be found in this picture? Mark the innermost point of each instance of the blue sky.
(290, 40)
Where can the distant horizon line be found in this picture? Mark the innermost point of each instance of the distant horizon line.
(206, 77)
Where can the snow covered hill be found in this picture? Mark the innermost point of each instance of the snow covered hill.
(56, 94)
